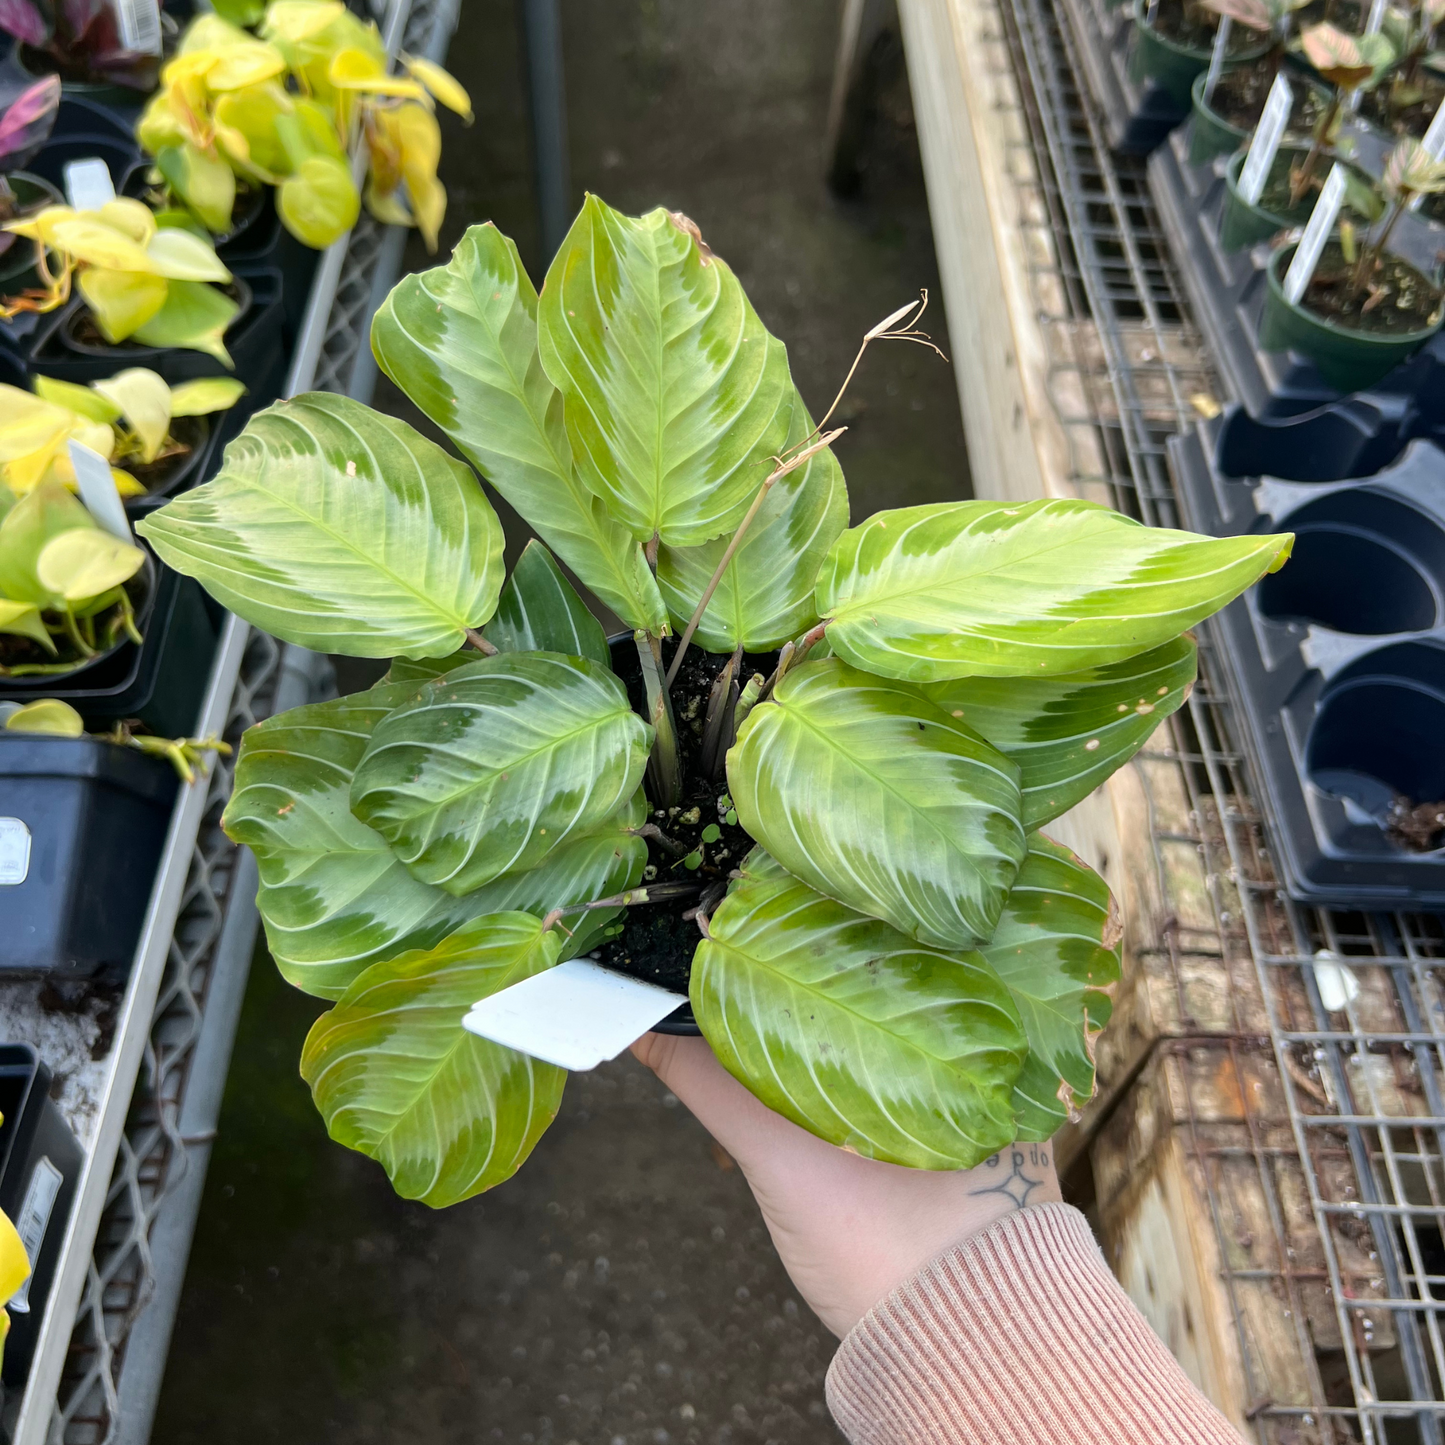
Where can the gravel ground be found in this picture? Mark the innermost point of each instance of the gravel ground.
(621, 1289)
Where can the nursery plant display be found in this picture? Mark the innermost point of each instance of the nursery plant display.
(80, 41)
(138, 279)
(283, 110)
(828, 792)
(68, 589)
(133, 419)
(1173, 42)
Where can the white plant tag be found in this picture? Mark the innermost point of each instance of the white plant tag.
(14, 852)
(1434, 140)
(140, 25)
(1321, 223)
(576, 1015)
(98, 490)
(88, 185)
(1264, 145)
(1216, 59)
(32, 1222)
(1377, 17)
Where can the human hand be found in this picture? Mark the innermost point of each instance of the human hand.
(848, 1230)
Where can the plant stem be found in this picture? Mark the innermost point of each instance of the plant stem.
(651, 830)
(664, 769)
(1370, 254)
(653, 893)
(475, 639)
(72, 631)
(737, 540)
(1300, 179)
(717, 736)
(748, 700)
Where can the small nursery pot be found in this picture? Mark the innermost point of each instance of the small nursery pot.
(17, 264)
(1242, 224)
(175, 474)
(1168, 64)
(1346, 358)
(1210, 134)
(97, 92)
(136, 353)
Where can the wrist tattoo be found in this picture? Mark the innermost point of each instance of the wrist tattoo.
(1015, 1173)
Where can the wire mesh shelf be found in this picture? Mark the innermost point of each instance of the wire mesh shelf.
(1323, 1059)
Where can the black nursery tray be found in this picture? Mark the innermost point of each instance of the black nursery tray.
(1227, 294)
(1339, 662)
(1137, 118)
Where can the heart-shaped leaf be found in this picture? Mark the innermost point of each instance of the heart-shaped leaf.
(1335, 55)
(144, 399)
(22, 619)
(1003, 589)
(766, 595)
(1069, 732)
(494, 765)
(676, 395)
(84, 562)
(461, 341)
(332, 526)
(540, 611)
(335, 898)
(395, 1076)
(122, 301)
(40, 516)
(873, 795)
(842, 1024)
(1056, 948)
(194, 317)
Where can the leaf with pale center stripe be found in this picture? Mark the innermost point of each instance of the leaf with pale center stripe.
(766, 595)
(1056, 948)
(1003, 589)
(868, 792)
(494, 765)
(540, 611)
(461, 341)
(332, 526)
(1069, 732)
(333, 896)
(395, 1076)
(675, 394)
(842, 1024)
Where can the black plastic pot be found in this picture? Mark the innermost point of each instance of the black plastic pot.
(40, 1162)
(1339, 661)
(17, 263)
(267, 244)
(92, 816)
(187, 471)
(80, 115)
(159, 682)
(121, 100)
(119, 157)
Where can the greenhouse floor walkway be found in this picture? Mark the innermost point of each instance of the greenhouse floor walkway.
(622, 1288)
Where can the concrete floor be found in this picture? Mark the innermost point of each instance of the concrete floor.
(621, 1288)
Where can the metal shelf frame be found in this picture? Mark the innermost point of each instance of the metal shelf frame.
(100, 1358)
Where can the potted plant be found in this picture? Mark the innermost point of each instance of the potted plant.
(80, 41)
(25, 126)
(1243, 223)
(1173, 42)
(155, 435)
(1364, 310)
(140, 282)
(1222, 121)
(848, 751)
(1406, 105)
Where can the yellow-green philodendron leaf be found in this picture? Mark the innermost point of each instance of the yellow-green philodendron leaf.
(334, 897)
(871, 794)
(540, 611)
(332, 526)
(1002, 589)
(397, 1077)
(766, 595)
(676, 395)
(1056, 948)
(194, 317)
(494, 765)
(842, 1024)
(1069, 732)
(461, 341)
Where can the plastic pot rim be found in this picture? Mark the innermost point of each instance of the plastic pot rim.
(132, 353)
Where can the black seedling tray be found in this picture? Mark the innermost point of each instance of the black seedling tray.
(1227, 293)
(1137, 118)
(40, 1163)
(1338, 661)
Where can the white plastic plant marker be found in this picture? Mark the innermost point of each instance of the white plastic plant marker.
(139, 22)
(1336, 981)
(1264, 145)
(98, 490)
(1216, 58)
(88, 185)
(14, 852)
(1434, 138)
(1376, 17)
(1321, 223)
(577, 1015)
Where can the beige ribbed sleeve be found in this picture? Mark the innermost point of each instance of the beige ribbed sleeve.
(1018, 1336)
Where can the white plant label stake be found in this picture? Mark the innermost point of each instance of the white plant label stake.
(1216, 59)
(576, 1015)
(1321, 223)
(98, 490)
(1264, 145)
(88, 185)
(1434, 139)
(139, 22)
